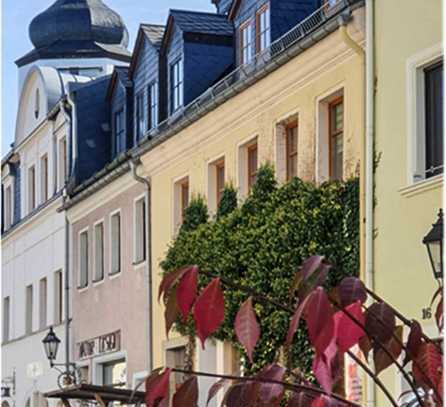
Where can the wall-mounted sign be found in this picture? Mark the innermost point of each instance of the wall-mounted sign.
(100, 345)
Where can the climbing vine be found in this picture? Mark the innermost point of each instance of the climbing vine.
(261, 243)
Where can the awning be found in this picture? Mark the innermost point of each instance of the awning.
(100, 394)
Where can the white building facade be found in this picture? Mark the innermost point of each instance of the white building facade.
(35, 175)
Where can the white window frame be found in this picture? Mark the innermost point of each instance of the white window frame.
(242, 163)
(176, 87)
(43, 196)
(247, 44)
(264, 33)
(43, 303)
(6, 320)
(95, 280)
(62, 165)
(28, 184)
(9, 222)
(56, 304)
(140, 116)
(136, 200)
(416, 114)
(322, 161)
(96, 371)
(152, 99)
(79, 279)
(30, 304)
(113, 274)
(176, 194)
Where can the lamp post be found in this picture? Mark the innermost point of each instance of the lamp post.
(434, 244)
(51, 345)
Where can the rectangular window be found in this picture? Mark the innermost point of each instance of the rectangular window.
(176, 359)
(263, 29)
(31, 189)
(83, 259)
(140, 119)
(29, 310)
(58, 301)
(291, 151)
(220, 180)
(114, 374)
(6, 318)
(44, 178)
(119, 131)
(115, 243)
(43, 304)
(252, 165)
(8, 207)
(140, 230)
(62, 162)
(434, 119)
(176, 85)
(98, 252)
(336, 138)
(184, 198)
(246, 43)
(153, 105)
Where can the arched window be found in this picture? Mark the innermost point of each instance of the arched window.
(5, 403)
(37, 104)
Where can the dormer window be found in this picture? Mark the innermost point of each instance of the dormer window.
(140, 119)
(263, 28)
(153, 105)
(176, 84)
(37, 104)
(246, 42)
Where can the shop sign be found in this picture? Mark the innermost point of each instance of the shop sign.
(100, 345)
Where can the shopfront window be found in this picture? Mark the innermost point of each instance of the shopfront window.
(114, 374)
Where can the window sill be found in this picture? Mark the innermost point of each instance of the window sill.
(139, 264)
(98, 282)
(115, 275)
(82, 289)
(422, 186)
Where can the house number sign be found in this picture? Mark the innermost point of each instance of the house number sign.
(100, 345)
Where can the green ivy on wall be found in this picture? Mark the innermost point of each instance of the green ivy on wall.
(261, 244)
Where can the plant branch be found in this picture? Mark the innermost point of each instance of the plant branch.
(288, 386)
(264, 298)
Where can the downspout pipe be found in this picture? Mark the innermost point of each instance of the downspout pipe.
(70, 136)
(148, 226)
(369, 173)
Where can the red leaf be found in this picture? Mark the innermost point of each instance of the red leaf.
(430, 361)
(323, 366)
(215, 389)
(171, 278)
(348, 333)
(171, 311)
(413, 342)
(209, 310)
(365, 345)
(319, 317)
(350, 290)
(187, 291)
(381, 359)
(235, 396)
(300, 399)
(294, 323)
(380, 321)
(310, 265)
(246, 327)
(157, 387)
(187, 394)
(271, 392)
(439, 315)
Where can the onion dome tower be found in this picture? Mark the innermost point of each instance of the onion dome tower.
(73, 30)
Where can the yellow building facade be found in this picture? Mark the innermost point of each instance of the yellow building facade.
(408, 35)
(301, 92)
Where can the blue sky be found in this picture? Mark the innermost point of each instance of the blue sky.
(16, 16)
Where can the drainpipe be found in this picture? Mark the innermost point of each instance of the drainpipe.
(369, 174)
(148, 226)
(69, 137)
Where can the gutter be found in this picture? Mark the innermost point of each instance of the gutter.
(369, 172)
(148, 227)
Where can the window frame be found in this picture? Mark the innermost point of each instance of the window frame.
(29, 309)
(219, 188)
(333, 134)
(8, 210)
(136, 201)
(246, 26)
(97, 280)
(58, 297)
(289, 155)
(32, 202)
(44, 178)
(152, 103)
(252, 175)
(177, 207)
(43, 303)
(80, 286)
(114, 273)
(140, 121)
(6, 319)
(266, 32)
(119, 133)
(176, 88)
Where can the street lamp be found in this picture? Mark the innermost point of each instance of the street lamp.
(51, 345)
(434, 244)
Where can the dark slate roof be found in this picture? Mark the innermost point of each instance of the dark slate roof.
(154, 33)
(202, 23)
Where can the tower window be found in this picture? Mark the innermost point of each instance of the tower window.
(37, 104)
